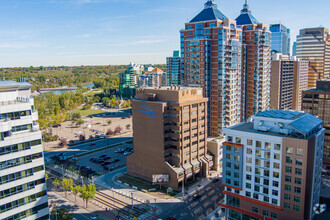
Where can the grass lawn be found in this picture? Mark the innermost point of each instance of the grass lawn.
(89, 112)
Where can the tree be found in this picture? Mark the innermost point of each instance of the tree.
(109, 132)
(56, 183)
(118, 129)
(67, 184)
(46, 176)
(109, 122)
(79, 122)
(87, 192)
(63, 142)
(62, 213)
(75, 190)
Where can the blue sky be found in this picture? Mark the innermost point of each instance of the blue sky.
(102, 32)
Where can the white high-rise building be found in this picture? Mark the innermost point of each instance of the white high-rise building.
(23, 192)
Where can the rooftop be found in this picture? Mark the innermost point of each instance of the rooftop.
(10, 84)
(209, 13)
(280, 114)
(246, 17)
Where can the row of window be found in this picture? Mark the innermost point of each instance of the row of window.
(266, 155)
(296, 180)
(295, 207)
(299, 151)
(298, 171)
(265, 213)
(295, 198)
(22, 201)
(19, 147)
(21, 128)
(19, 161)
(258, 144)
(265, 173)
(15, 115)
(21, 188)
(298, 161)
(28, 212)
(20, 175)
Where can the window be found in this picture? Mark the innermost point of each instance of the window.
(236, 166)
(266, 182)
(255, 196)
(297, 190)
(230, 139)
(249, 151)
(289, 150)
(267, 155)
(249, 142)
(228, 164)
(287, 196)
(254, 209)
(296, 208)
(266, 199)
(297, 199)
(236, 157)
(273, 215)
(274, 192)
(276, 165)
(257, 179)
(277, 147)
(299, 151)
(258, 153)
(236, 175)
(264, 213)
(236, 183)
(228, 173)
(228, 181)
(265, 190)
(248, 194)
(266, 173)
(258, 162)
(257, 188)
(287, 188)
(237, 150)
(267, 164)
(276, 174)
(277, 156)
(228, 156)
(228, 148)
(257, 171)
(288, 160)
(248, 168)
(238, 140)
(248, 177)
(298, 171)
(288, 179)
(297, 181)
(275, 183)
(274, 201)
(288, 169)
(248, 185)
(267, 145)
(258, 144)
(286, 205)
(299, 162)
(249, 159)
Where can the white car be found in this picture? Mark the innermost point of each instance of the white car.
(323, 207)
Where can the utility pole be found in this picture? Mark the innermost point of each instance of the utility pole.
(132, 205)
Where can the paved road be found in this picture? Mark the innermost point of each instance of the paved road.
(82, 148)
(211, 194)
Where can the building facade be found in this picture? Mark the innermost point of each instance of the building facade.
(313, 44)
(272, 166)
(212, 52)
(128, 80)
(317, 102)
(289, 77)
(169, 125)
(174, 70)
(280, 39)
(23, 189)
(256, 41)
(154, 78)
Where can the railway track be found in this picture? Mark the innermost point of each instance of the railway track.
(108, 201)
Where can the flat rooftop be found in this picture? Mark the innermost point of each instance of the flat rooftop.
(281, 114)
(10, 84)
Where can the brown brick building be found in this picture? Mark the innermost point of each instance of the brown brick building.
(169, 125)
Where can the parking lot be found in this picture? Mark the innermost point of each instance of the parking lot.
(107, 160)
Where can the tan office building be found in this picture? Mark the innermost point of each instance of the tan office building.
(170, 142)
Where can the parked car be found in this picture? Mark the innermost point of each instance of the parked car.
(196, 196)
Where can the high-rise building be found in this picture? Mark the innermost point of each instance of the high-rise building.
(294, 49)
(174, 69)
(280, 39)
(153, 78)
(313, 44)
(317, 102)
(22, 170)
(272, 166)
(289, 77)
(128, 80)
(211, 48)
(256, 40)
(170, 135)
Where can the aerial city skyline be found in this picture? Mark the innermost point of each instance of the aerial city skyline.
(164, 110)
